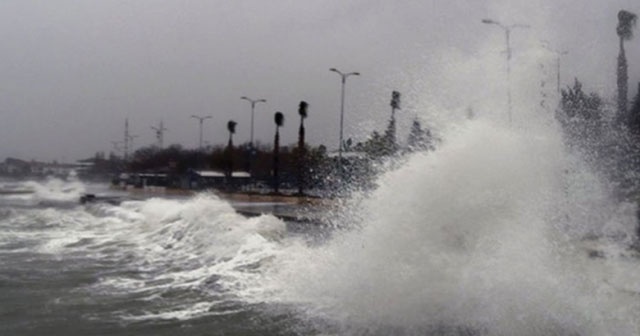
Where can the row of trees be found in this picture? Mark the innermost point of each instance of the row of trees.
(300, 155)
(301, 166)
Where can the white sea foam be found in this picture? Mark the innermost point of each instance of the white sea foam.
(199, 244)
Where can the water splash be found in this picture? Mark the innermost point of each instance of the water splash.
(52, 191)
(485, 235)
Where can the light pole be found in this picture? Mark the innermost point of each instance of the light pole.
(343, 76)
(201, 120)
(558, 55)
(507, 32)
(253, 107)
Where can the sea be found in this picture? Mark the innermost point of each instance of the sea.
(498, 231)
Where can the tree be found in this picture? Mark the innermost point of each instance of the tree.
(626, 22)
(419, 138)
(231, 127)
(279, 121)
(390, 134)
(302, 111)
(580, 115)
(608, 149)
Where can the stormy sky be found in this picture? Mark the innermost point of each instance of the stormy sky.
(73, 70)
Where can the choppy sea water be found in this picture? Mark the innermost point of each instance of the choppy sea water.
(497, 232)
(152, 267)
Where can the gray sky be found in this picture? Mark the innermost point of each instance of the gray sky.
(73, 70)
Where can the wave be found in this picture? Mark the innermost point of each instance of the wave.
(482, 236)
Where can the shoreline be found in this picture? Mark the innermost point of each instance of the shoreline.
(293, 208)
(236, 196)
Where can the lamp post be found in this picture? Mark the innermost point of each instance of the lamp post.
(507, 32)
(343, 76)
(201, 120)
(558, 55)
(253, 107)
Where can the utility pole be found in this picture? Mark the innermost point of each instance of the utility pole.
(160, 133)
(201, 120)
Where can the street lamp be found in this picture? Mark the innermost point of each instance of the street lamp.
(201, 120)
(558, 54)
(253, 106)
(343, 76)
(507, 32)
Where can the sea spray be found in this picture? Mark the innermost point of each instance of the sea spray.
(54, 189)
(482, 235)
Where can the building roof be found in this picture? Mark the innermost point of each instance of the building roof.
(213, 173)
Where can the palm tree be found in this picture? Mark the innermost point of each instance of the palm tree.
(391, 129)
(395, 102)
(231, 127)
(279, 120)
(626, 22)
(302, 111)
